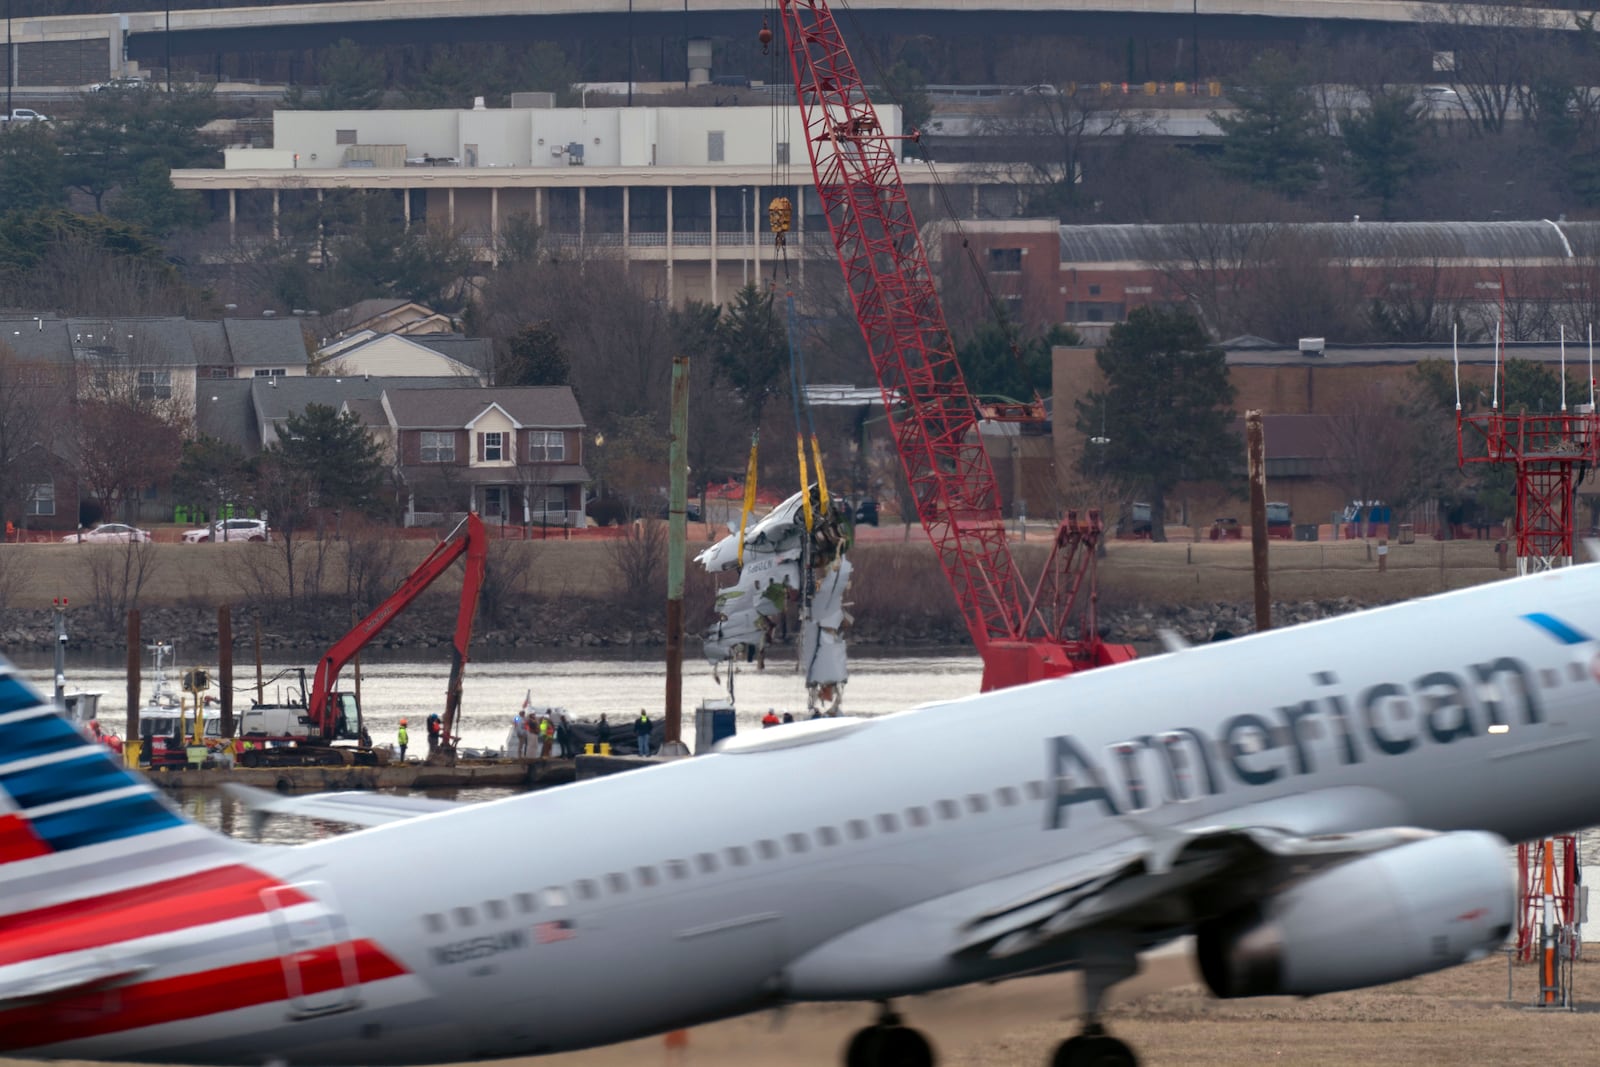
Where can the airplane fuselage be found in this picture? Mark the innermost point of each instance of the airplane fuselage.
(717, 885)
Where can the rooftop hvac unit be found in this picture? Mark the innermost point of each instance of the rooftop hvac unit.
(575, 154)
(1312, 346)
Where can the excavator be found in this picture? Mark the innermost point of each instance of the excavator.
(302, 734)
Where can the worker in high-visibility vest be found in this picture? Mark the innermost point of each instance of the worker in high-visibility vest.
(404, 739)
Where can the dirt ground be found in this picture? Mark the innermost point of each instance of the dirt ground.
(1460, 1016)
(1175, 572)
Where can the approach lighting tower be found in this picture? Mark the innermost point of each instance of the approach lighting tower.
(1551, 453)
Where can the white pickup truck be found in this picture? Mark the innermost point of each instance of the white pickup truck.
(23, 114)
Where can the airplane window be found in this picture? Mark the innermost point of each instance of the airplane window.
(827, 836)
(495, 908)
(707, 862)
(887, 823)
(948, 809)
(555, 897)
(677, 869)
(857, 828)
(465, 916)
(617, 882)
(433, 923)
(767, 850)
(1035, 790)
(738, 855)
(1007, 795)
(977, 803)
(1550, 678)
(647, 876)
(586, 888)
(526, 902)
(798, 842)
(917, 816)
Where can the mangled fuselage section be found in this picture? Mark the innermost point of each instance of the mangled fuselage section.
(784, 561)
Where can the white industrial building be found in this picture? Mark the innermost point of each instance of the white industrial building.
(679, 193)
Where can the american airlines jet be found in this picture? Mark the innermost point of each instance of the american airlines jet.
(1323, 808)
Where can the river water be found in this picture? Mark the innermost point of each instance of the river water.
(493, 691)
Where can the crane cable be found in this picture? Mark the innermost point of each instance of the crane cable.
(796, 379)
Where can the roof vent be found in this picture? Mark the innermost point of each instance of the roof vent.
(267, 314)
(477, 104)
(1312, 346)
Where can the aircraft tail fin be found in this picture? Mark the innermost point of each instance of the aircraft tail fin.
(71, 814)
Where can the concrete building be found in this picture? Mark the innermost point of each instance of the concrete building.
(680, 195)
(1093, 276)
(1309, 398)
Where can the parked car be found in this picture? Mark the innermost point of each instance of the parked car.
(23, 114)
(229, 530)
(109, 533)
(117, 85)
(866, 512)
(691, 512)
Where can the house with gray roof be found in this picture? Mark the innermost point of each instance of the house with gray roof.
(250, 412)
(513, 455)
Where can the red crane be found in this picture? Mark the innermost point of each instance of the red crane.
(1019, 631)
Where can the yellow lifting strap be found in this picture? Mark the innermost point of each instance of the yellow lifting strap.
(749, 492)
(822, 479)
(805, 479)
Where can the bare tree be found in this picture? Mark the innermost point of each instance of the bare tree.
(117, 576)
(638, 562)
(1213, 266)
(1370, 449)
(372, 563)
(1497, 50)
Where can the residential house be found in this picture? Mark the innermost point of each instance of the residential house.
(514, 455)
(390, 355)
(250, 412)
(394, 316)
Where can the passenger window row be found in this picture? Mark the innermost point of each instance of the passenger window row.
(707, 863)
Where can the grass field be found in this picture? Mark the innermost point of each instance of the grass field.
(892, 572)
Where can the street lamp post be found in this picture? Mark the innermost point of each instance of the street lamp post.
(167, 41)
(1194, 30)
(11, 60)
(630, 52)
(744, 229)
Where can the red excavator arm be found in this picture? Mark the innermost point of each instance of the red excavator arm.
(470, 540)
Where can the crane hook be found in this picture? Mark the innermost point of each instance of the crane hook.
(765, 37)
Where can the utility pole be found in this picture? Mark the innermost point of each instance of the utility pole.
(167, 40)
(11, 60)
(677, 543)
(1256, 458)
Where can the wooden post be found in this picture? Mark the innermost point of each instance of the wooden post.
(132, 725)
(1383, 554)
(225, 667)
(677, 543)
(1256, 453)
(260, 686)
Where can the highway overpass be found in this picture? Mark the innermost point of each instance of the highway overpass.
(73, 49)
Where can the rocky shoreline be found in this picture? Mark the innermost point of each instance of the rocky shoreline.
(582, 624)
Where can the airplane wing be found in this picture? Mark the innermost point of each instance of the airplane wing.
(361, 809)
(1154, 887)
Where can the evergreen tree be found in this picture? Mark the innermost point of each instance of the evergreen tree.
(1384, 146)
(752, 351)
(32, 172)
(352, 79)
(151, 201)
(535, 356)
(211, 473)
(1275, 138)
(1163, 416)
(998, 361)
(341, 465)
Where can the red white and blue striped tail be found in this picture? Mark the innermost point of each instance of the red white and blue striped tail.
(74, 820)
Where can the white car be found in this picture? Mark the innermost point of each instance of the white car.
(109, 533)
(229, 530)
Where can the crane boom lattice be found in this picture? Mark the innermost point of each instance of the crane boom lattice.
(931, 413)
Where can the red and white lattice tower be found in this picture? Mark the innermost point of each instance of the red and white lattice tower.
(1550, 454)
(1547, 875)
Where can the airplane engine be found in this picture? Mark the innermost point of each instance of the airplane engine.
(1390, 915)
